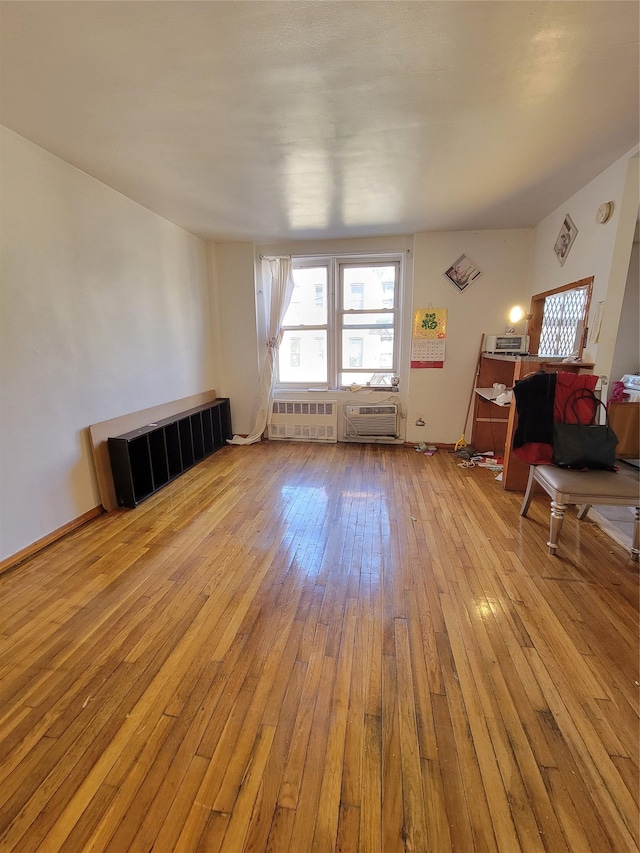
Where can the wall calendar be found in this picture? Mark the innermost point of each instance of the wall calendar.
(428, 337)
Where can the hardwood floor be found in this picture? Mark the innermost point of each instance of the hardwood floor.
(298, 648)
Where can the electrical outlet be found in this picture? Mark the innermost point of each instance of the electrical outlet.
(420, 422)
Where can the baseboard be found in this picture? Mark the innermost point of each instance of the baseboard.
(11, 562)
(438, 445)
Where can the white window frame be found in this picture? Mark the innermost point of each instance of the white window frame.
(310, 263)
(343, 312)
(335, 312)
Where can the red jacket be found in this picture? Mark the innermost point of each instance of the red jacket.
(564, 410)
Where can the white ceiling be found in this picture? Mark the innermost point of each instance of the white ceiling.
(272, 120)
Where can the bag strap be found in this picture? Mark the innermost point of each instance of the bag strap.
(585, 394)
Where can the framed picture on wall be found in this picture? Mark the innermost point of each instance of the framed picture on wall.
(462, 272)
(568, 233)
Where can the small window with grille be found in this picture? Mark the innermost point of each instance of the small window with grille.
(558, 327)
(563, 323)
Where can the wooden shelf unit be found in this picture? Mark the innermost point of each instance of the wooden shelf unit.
(489, 430)
(493, 425)
(146, 459)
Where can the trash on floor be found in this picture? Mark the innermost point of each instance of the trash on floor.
(483, 460)
(426, 449)
(465, 452)
(493, 463)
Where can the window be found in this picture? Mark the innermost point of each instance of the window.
(558, 325)
(368, 323)
(305, 328)
(356, 346)
(562, 323)
(357, 296)
(342, 324)
(294, 352)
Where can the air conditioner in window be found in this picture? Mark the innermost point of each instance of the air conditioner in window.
(362, 422)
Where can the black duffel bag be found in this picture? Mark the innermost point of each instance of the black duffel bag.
(584, 445)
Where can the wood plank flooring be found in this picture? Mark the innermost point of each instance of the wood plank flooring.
(306, 648)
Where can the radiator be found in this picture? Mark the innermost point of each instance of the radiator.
(371, 421)
(297, 420)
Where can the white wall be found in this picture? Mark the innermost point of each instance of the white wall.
(235, 296)
(602, 251)
(627, 352)
(440, 396)
(105, 311)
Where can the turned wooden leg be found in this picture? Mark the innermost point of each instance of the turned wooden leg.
(635, 548)
(524, 509)
(555, 525)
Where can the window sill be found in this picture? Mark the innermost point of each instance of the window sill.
(346, 389)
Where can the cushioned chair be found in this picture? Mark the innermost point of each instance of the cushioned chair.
(585, 489)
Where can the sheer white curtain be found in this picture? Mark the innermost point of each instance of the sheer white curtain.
(278, 281)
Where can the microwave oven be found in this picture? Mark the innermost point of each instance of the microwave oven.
(506, 344)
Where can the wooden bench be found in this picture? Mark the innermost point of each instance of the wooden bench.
(584, 489)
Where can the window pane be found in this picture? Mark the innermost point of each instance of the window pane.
(562, 323)
(362, 377)
(308, 306)
(302, 357)
(368, 287)
(356, 301)
(367, 319)
(374, 349)
(356, 347)
(294, 352)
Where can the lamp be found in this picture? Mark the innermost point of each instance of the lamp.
(516, 315)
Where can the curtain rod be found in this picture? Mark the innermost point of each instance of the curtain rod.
(331, 255)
